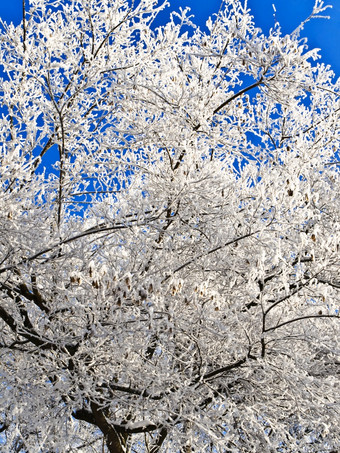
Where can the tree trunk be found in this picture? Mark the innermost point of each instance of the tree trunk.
(115, 441)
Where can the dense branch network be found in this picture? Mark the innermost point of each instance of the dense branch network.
(169, 233)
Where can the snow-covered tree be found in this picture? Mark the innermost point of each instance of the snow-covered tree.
(169, 233)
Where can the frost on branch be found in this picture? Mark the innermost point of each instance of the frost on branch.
(169, 233)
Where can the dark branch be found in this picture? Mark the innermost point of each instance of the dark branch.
(300, 318)
(215, 249)
(224, 369)
(100, 229)
(236, 95)
(84, 415)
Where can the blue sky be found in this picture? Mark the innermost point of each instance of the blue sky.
(324, 34)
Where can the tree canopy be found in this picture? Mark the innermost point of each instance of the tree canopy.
(169, 233)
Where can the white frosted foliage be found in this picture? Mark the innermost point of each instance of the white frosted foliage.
(169, 233)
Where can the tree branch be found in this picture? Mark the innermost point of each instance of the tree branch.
(224, 369)
(215, 249)
(236, 95)
(300, 318)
